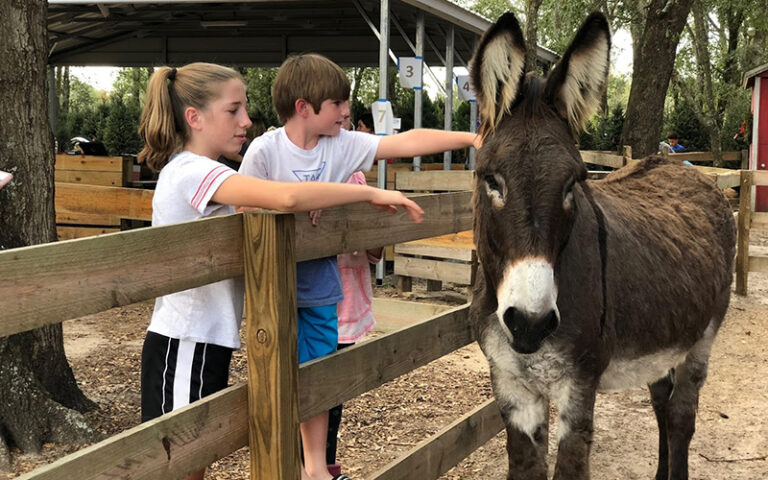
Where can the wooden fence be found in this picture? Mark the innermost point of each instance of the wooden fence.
(446, 258)
(748, 221)
(51, 283)
(85, 170)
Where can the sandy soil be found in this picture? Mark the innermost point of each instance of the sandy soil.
(731, 442)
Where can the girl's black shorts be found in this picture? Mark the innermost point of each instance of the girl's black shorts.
(175, 373)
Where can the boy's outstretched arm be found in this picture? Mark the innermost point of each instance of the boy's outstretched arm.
(306, 196)
(425, 141)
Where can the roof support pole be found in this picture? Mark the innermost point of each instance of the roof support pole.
(417, 94)
(383, 89)
(448, 92)
(473, 119)
(53, 100)
(399, 28)
(367, 19)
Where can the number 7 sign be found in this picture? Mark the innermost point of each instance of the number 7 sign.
(382, 117)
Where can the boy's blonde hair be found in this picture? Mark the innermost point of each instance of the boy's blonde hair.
(311, 77)
(169, 93)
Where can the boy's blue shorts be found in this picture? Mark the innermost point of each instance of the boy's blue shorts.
(318, 332)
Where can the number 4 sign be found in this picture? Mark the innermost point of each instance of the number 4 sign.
(410, 71)
(464, 88)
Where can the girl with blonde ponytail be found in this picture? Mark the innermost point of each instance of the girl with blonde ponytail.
(193, 115)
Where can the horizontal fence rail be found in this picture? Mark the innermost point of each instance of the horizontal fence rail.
(444, 450)
(50, 283)
(192, 437)
(131, 203)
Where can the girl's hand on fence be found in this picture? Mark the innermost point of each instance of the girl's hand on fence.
(314, 217)
(389, 200)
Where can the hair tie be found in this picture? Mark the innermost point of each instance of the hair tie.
(172, 74)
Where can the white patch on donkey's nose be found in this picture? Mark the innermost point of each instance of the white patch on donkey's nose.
(528, 286)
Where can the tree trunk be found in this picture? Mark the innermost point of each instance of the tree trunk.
(531, 35)
(708, 111)
(734, 17)
(65, 93)
(654, 60)
(358, 73)
(40, 399)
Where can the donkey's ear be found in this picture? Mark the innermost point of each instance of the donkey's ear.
(497, 69)
(576, 83)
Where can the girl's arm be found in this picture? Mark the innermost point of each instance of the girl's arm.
(424, 141)
(304, 196)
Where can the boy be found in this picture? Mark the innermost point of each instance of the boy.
(674, 142)
(311, 96)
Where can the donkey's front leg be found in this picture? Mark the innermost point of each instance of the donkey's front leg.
(526, 417)
(526, 426)
(575, 405)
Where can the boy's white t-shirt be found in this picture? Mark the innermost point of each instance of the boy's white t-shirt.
(273, 156)
(211, 313)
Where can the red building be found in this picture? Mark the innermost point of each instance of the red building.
(757, 80)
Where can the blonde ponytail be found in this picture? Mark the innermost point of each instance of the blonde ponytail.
(169, 93)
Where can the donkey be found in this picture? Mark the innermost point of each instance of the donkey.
(586, 285)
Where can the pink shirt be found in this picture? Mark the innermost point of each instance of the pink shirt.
(355, 311)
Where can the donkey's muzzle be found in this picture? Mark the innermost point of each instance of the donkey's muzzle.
(529, 332)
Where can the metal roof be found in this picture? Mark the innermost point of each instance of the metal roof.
(252, 32)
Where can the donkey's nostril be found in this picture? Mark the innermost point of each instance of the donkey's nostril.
(551, 322)
(513, 320)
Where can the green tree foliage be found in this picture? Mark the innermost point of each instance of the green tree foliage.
(84, 116)
(492, 9)
(121, 131)
(259, 84)
(130, 86)
(681, 120)
(604, 131)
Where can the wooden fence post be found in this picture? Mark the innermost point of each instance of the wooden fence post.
(627, 157)
(273, 403)
(742, 242)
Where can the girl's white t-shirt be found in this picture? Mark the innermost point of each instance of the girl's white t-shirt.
(211, 313)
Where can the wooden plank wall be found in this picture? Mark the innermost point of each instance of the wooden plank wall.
(89, 170)
(372, 175)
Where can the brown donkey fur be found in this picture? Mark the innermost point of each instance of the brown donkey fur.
(586, 284)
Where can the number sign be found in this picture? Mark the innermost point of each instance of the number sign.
(464, 88)
(382, 117)
(410, 71)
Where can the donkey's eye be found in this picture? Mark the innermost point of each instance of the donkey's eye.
(494, 187)
(568, 197)
(492, 183)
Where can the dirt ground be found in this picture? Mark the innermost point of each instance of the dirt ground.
(731, 441)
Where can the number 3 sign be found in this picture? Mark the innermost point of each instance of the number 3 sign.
(464, 88)
(410, 71)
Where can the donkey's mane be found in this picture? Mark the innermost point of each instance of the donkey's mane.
(530, 102)
(639, 169)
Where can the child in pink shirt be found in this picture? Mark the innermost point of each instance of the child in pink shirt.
(355, 315)
(354, 311)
